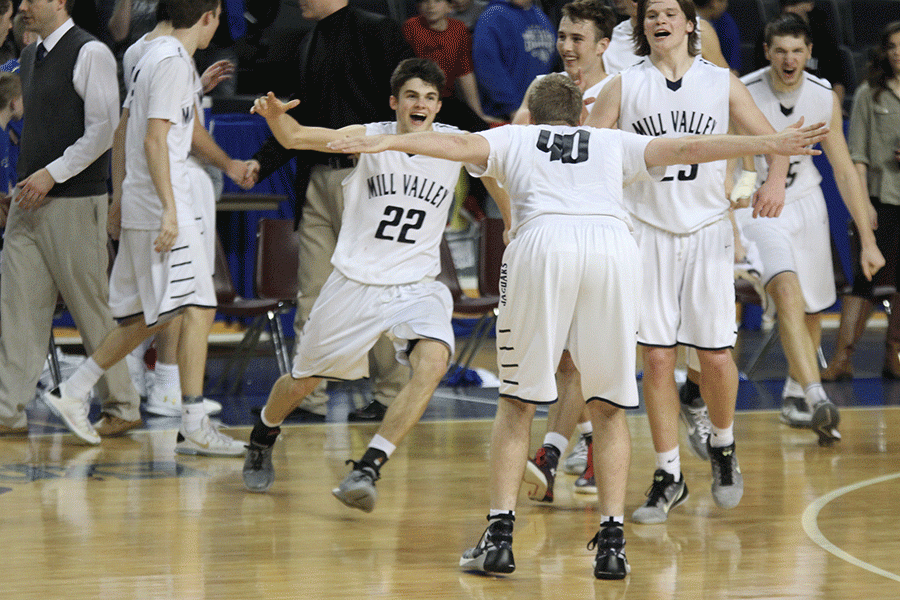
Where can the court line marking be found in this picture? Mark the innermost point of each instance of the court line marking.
(811, 525)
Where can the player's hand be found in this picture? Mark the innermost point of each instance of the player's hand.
(251, 174)
(114, 219)
(237, 171)
(168, 231)
(33, 190)
(216, 74)
(796, 140)
(768, 199)
(361, 143)
(270, 107)
(871, 260)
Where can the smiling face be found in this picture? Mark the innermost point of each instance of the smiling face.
(666, 25)
(416, 104)
(788, 55)
(577, 44)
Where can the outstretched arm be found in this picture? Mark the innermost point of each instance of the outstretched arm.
(460, 147)
(291, 134)
(686, 150)
(853, 193)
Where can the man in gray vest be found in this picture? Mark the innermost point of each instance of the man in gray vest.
(55, 240)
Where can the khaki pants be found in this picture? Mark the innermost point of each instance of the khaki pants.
(60, 248)
(319, 229)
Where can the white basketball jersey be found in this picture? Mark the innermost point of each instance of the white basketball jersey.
(395, 212)
(562, 170)
(620, 53)
(813, 103)
(687, 197)
(163, 87)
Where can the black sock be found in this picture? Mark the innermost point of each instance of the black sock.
(690, 391)
(264, 435)
(374, 459)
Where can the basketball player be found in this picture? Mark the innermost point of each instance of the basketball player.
(621, 51)
(164, 397)
(571, 278)
(161, 267)
(385, 264)
(583, 36)
(686, 239)
(796, 248)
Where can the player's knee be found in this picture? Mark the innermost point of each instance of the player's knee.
(715, 360)
(659, 360)
(429, 361)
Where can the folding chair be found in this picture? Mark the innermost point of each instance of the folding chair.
(276, 288)
(485, 307)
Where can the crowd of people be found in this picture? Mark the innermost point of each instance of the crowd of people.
(621, 211)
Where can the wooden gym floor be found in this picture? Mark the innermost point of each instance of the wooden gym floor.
(129, 519)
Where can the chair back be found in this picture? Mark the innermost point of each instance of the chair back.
(225, 292)
(277, 260)
(490, 256)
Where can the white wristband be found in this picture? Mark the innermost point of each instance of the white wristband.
(745, 186)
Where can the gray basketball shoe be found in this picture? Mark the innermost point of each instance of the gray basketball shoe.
(357, 490)
(259, 475)
(664, 494)
(728, 483)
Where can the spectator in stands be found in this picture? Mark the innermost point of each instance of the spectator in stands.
(875, 149)
(437, 36)
(716, 12)
(8, 48)
(10, 108)
(826, 57)
(514, 43)
(468, 11)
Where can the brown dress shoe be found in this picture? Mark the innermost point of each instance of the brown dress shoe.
(4, 430)
(111, 426)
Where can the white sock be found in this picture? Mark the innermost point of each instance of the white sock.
(265, 421)
(557, 441)
(380, 443)
(670, 462)
(496, 512)
(815, 394)
(166, 376)
(586, 428)
(192, 416)
(84, 378)
(719, 438)
(142, 348)
(792, 389)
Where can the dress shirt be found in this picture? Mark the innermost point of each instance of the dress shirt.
(94, 78)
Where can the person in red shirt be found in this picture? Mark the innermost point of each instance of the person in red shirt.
(445, 40)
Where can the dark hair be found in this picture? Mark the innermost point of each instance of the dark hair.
(424, 69)
(185, 13)
(596, 11)
(642, 45)
(4, 5)
(880, 70)
(10, 88)
(787, 24)
(162, 12)
(555, 97)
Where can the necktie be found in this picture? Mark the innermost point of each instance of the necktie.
(41, 52)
